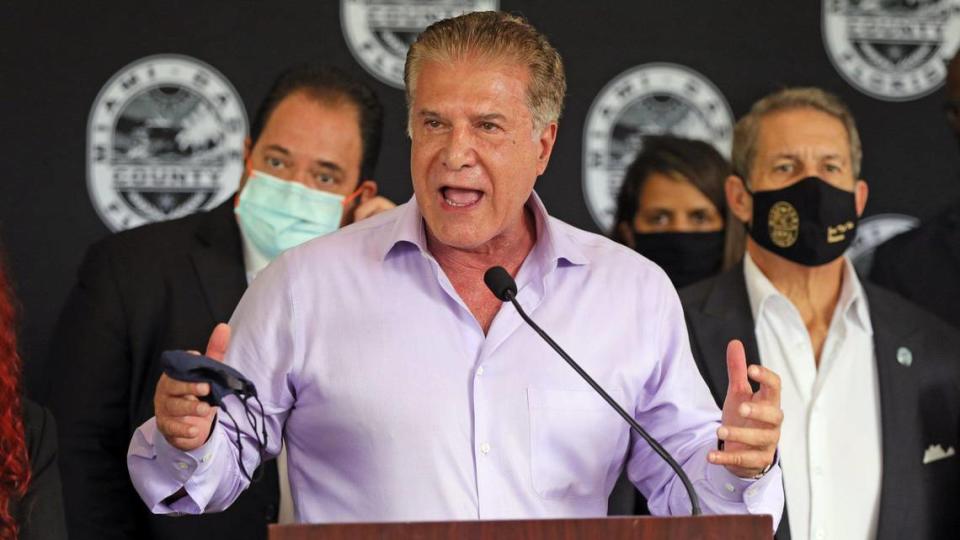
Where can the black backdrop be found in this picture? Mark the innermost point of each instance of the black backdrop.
(56, 59)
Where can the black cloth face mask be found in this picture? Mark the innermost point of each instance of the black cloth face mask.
(809, 222)
(686, 257)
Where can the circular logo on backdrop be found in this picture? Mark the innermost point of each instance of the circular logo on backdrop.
(651, 99)
(784, 224)
(164, 139)
(873, 231)
(379, 33)
(893, 50)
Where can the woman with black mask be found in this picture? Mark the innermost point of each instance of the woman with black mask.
(672, 209)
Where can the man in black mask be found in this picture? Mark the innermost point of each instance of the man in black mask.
(869, 381)
(923, 265)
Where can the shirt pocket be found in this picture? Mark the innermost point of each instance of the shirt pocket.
(576, 439)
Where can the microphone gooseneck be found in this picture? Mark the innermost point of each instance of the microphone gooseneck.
(502, 285)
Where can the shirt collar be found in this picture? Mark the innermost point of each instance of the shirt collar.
(852, 302)
(553, 244)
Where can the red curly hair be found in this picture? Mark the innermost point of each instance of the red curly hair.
(14, 464)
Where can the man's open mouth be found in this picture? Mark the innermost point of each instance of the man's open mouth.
(460, 197)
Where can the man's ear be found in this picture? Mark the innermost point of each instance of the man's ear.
(546, 140)
(368, 190)
(738, 198)
(861, 193)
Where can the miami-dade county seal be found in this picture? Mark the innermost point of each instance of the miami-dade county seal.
(783, 222)
(164, 139)
(650, 99)
(379, 33)
(893, 50)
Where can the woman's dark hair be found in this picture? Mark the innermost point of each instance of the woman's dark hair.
(327, 83)
(695, 161)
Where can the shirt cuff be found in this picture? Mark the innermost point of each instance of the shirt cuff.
(158, 470)
(762, 495)
(190, 468)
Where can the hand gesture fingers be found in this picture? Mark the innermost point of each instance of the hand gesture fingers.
(749, 463)
(751, 421)
(182, 418)
(769, 384)
(737, 369)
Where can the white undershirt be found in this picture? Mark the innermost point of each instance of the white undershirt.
(830, 445)
(253, 263)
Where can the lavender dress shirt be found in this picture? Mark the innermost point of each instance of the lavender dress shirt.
(395, 406)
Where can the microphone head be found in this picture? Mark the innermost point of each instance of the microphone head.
(500, 283)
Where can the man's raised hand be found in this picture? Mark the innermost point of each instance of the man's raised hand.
(182, 418)
(750, 428)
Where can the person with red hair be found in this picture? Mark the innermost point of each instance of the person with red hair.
(30, 499)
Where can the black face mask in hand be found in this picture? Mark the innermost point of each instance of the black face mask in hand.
(686, 257)
(809, 222)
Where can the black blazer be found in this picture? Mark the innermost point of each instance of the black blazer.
(140, 292)
(40, 513)
(923, 265)
(919, 404)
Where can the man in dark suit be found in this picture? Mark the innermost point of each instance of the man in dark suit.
(314, 141)
(923, 265)
(871, 383)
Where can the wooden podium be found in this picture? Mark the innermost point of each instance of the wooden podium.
(612, 528)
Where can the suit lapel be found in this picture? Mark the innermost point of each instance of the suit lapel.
(726, 316)
(898, 384)
(217, 258)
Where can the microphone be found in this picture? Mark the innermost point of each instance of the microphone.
(502, 286)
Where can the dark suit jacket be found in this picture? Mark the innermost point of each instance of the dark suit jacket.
(141, 292)
(923, 265)
(40, 513)
(919, 404)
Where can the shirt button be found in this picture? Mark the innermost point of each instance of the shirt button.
(485, 448)
(751, 492)
(206, 457)
(818, 470)
(729, 487)
(182, 465)
(479, 371)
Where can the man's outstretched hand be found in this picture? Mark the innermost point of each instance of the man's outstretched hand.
(182, 418)
(750, 428)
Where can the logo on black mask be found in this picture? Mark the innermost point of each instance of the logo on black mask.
(784, 223)
(810, 222)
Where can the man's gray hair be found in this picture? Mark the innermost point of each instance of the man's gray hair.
(746, 131)
(494, 35)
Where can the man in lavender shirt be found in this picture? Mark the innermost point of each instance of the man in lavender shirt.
(404, 390)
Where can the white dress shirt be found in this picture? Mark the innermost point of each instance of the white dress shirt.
(830, 447)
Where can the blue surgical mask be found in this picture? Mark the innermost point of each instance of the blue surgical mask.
(276, 215)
